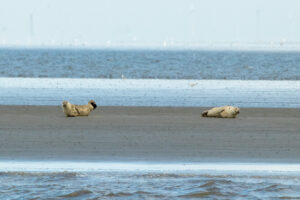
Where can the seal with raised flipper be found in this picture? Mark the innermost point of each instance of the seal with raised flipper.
(72, 110)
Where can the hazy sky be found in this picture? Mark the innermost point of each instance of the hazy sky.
(102, 22)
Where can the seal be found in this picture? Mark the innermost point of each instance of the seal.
(72, 110)
(222, 112)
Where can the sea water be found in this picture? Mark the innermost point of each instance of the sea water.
(149, 78)
(150, 92)
(149, 64)
(96, 180)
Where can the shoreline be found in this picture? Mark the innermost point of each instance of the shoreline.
(71, 166)
(149, 134)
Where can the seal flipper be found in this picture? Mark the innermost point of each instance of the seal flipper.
(204, 114)
(94, 105)
(220, 112)
(77, 110)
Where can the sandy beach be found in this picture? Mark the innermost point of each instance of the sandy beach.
(163, 134)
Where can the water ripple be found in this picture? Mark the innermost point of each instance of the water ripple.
(137, 64)
(152, 185)
(77, 193)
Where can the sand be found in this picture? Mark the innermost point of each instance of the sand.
(149, 134)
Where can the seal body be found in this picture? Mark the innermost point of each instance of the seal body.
(222, 112)
(72, 110)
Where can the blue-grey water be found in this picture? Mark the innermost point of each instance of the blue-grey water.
(153, 64)
(96, 65)
(130, 78)
(148, 185)
(150, 92)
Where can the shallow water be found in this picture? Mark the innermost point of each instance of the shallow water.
(187, 182)
(150, 92)
(153, 64)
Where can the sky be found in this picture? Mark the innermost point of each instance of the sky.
(146, 23)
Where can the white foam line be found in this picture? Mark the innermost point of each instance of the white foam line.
(62, 83)
(41, 166)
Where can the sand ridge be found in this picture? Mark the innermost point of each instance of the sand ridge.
(149, 134)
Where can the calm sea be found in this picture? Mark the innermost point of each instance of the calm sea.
(147, 64)
(149, 78)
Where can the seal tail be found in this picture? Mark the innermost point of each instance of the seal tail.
(94, 105)
(204, 114)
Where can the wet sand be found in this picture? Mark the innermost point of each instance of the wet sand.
(162, 134)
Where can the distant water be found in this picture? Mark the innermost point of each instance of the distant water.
(149, 64)
(150, 92)
(150, 184)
